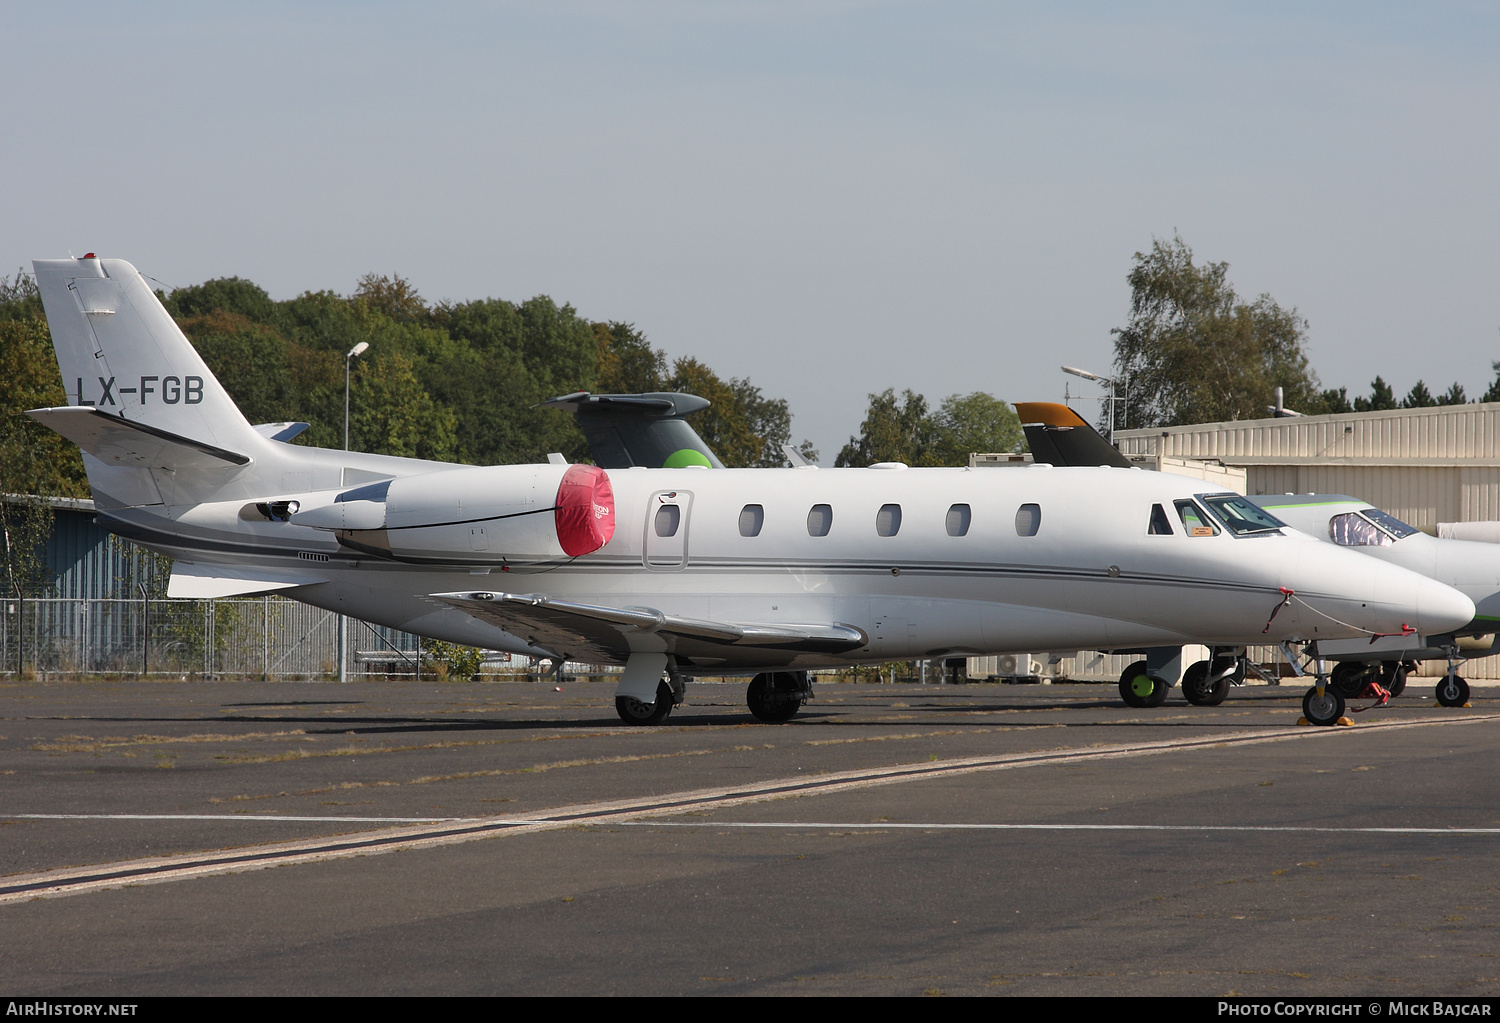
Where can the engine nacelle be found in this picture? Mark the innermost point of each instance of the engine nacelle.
(475, 514)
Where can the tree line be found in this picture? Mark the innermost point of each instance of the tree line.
(1192, 351)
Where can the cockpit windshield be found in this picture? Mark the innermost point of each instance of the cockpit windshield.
(1368, 527)
(1241, 517)
(1389, 523)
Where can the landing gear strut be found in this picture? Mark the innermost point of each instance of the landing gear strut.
(1453, 691)
(776, 696)
(1323, 705)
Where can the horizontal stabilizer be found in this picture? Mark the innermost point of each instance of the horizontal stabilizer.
(594, 630)
(283, 432)
(118, 441)
(213, 581)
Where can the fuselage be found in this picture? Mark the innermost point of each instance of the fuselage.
(925, 562)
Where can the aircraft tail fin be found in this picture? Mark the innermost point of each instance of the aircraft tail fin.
(122, 354)
(1059, 436)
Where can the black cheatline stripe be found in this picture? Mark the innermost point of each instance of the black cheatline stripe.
(574, 566)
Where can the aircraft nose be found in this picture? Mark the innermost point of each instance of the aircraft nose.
(1366, 595)
(1441, 608)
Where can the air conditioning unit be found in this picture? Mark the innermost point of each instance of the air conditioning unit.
(1016, 666)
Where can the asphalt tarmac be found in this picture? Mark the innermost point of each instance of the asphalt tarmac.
(419, 839)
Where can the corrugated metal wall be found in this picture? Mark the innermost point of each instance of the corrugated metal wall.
(1424, 466)
(1469, 432)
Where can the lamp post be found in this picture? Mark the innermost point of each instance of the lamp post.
(343, 639)
(1113, 382)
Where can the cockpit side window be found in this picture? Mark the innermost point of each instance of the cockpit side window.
(1160, 524)
(1352, 530)
(1195, 522)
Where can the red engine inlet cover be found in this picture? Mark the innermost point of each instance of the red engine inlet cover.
(585, 510)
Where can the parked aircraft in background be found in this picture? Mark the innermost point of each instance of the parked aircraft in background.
(679, 572)
(1058, 435)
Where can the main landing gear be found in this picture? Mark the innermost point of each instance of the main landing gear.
(634, 712)
(1206, 683)
(640, 671)
(776, 696)
(1140, 688)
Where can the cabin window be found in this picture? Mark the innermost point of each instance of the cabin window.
(958, 520)
(1350, 530)
(752, 517)
(1028, 519)
(888, 520)
(819, 520)
(668, 518)
(1194, 521)
(1160, 524)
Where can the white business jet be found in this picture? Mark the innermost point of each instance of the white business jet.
(1058, 436)
(677, 572)
(1470, 566)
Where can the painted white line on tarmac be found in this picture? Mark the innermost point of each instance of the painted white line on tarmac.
(431, 834)
(302, 818)
(890, 825)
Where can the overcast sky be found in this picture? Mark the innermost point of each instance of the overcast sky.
(828, 198)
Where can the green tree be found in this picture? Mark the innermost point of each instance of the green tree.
(1493, 394)
(1329, 402)
(627, 362)
(1193, 352)
(1381, 399)
(19, 298)
(394, 296)
(394, 414)
(250, 360)
(223, 294)
(903, 430)
(1418, 397)
(975, 422)
(34, 461)
(894, 430)
(743, 427)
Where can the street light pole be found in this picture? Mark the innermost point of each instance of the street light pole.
(343, 638)
(1114, 384)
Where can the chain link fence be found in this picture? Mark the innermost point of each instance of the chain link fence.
(255, 637)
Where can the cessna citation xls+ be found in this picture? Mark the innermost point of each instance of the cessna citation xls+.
(677, 572)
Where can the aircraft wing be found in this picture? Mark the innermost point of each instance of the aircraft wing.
(593, 630)
(119, 441)
(1059, 436)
